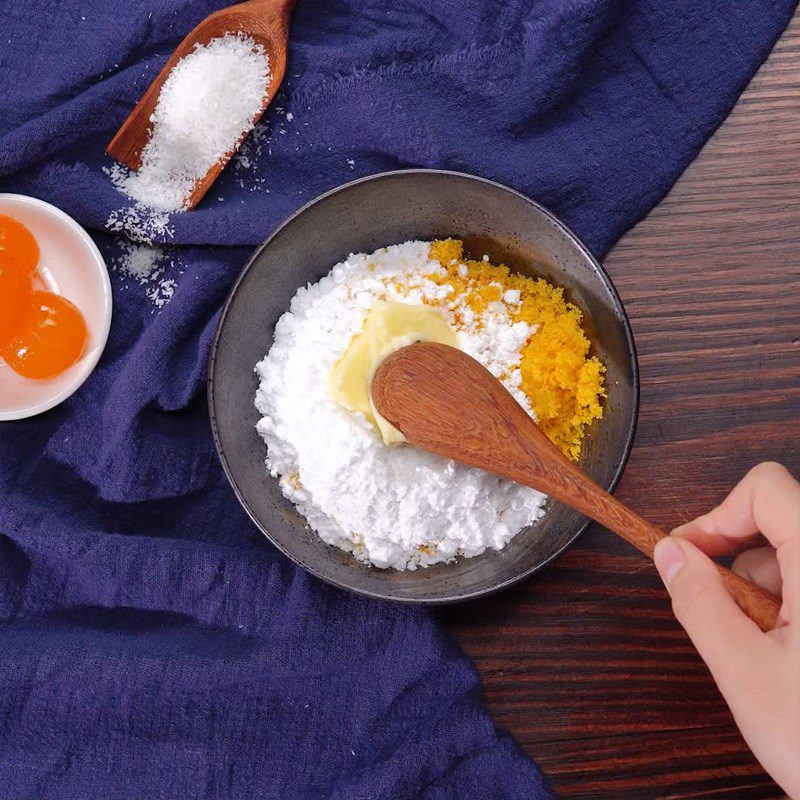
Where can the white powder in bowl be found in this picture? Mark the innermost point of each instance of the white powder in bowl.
(390, 506)
(212, 97)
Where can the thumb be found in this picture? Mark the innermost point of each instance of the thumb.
(726, 639)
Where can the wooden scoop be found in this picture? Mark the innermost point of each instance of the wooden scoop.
(264, 21)
(444, 401)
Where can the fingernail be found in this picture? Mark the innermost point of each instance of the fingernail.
(669, 558)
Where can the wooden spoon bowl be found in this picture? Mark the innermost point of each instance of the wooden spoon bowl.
(264, 21)
(445, 402)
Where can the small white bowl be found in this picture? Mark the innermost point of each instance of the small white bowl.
(72, 266)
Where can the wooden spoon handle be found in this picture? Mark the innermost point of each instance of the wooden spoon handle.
(762, 607)
(447, 403)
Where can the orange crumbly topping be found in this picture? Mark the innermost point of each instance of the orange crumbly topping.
(563, 383)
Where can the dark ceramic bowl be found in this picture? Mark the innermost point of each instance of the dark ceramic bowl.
(361, 217)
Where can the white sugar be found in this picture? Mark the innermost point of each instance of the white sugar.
(211, 98)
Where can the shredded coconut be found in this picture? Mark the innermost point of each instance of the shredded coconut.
(138, 222)
(390, 506)
(211, 98)
(253, 156)
(139, 261)
(249, 154)
(161, 293)
(146, 266)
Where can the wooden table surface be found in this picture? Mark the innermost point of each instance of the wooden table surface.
(584, 663)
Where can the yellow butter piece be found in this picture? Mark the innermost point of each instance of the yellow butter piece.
(388, 327)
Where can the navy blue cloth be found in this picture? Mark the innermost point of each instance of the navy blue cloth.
(153, 644)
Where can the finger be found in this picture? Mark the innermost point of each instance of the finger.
(713, 543)
(727, 640)
(766, 500)
(761, 567)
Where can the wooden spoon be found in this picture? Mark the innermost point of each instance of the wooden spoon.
(444, 401)
(264, 21)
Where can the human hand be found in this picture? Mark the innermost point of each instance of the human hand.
(757, 673)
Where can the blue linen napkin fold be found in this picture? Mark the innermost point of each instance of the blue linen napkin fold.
(152, 643)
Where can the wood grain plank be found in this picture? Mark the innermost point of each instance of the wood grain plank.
(584, 663)
(683, 764)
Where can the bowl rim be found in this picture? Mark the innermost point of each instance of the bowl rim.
(88, 364)
(618, 307)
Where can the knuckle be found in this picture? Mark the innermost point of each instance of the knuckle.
(768, 470)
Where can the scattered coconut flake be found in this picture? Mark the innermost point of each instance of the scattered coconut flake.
(146, 266)
(162, 292)
(248, 156)
(140, 261)
(138, 222)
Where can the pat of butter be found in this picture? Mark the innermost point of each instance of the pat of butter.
(388, 327)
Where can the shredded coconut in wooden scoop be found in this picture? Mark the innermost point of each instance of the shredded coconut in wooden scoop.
(211, 98)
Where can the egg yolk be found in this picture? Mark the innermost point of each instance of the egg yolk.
(16, 292)
(51, 337)
(18, 241)
(41, 333)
